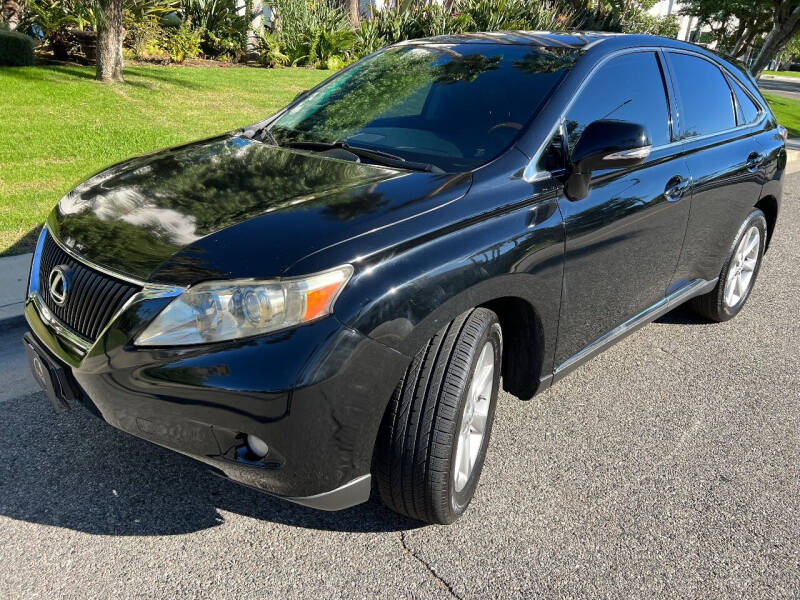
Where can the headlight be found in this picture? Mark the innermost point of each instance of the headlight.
(227, 310)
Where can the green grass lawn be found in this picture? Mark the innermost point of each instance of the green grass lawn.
(58, 125)
(787, 111)
(783, 73)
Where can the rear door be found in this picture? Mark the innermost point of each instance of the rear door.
(719, 127)
(624, 239)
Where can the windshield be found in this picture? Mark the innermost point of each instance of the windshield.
(455, 106)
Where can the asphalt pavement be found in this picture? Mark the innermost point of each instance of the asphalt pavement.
(667, 467)
(787, 87)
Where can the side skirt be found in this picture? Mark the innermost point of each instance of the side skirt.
(696, 287)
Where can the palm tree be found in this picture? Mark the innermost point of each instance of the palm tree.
(12, 12)
(109, 41)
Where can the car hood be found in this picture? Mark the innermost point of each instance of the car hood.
(232, 207)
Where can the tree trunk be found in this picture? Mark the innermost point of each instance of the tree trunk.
(353, 10)
(782, 32)
(12, 12)
(109, 42)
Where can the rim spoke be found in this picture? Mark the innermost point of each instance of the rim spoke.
(463, 464)
(749, 265)
(729, 291)
(479, 423)
(474, 418)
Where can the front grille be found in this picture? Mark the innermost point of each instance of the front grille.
(92, 298)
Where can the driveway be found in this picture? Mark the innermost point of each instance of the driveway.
(667, 467)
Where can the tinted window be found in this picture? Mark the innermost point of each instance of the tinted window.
(705, 98)
(627, 88)
(746, 110)
(456, 106)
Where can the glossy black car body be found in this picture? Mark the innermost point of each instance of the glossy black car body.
(565, 276)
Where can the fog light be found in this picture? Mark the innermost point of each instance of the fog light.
(257, 446)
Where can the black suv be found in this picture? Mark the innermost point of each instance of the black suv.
(328, 299)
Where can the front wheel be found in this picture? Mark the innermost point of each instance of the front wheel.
(739, 272)
(434, 435)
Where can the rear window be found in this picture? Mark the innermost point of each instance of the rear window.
(706, 104)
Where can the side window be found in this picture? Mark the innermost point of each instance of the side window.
(746, 110)
(627, 88)
(552, 158)
(705, 98)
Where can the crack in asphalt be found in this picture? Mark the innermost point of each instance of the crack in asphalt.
(438, 578)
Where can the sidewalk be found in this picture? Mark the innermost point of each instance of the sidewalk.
(13, 279)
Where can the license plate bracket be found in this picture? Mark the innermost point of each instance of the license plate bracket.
(49, 375)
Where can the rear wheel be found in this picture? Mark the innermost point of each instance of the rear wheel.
(434, 435)
(739, 272)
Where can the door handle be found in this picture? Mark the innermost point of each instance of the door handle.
(675, 188)
(754, 161)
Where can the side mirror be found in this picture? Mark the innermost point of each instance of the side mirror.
(605, 144)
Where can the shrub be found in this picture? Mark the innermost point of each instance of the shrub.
(16, 49)
(313, 32)
(147, 39)
(269, 52)
(225, 25)
(183, 43)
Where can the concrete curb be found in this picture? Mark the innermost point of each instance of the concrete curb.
(13, 279)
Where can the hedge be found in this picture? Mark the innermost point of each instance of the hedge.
(16, 49)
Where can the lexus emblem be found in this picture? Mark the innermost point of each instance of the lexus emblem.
(59, 284)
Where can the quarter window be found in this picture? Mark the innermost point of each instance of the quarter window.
(627, 88)
(746, 110)
(706, 104)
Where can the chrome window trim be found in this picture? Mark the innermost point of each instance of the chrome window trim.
(531, 175)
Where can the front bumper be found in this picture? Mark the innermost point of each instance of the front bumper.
(316, 394)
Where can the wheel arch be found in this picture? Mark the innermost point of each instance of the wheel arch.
(523, 344)
(769, 206)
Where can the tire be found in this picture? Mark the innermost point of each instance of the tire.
(415, 459)
(723, 302)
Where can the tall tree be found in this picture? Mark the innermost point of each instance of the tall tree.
(741, 27)
(353, 10)
(109, 41)
(786, 25)
(12, 12)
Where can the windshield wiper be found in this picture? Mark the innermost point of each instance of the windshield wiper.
(378, 156)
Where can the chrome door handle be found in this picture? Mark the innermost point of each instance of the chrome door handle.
(675, 188)
(754, 161)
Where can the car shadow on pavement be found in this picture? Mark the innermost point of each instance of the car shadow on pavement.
(682, 316)
(72, 470)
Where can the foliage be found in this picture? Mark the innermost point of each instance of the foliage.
(146, 39)
(183, 42)
(496, 15)
(224, 29)
(313, 32)
(368, 38)
(16, 49)
(269, 52)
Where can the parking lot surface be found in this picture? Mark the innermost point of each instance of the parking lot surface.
(667, 467)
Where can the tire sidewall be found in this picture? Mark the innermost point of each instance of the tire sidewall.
(460, 500)
(755, 218)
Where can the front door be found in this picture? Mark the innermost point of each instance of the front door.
(624, 239)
